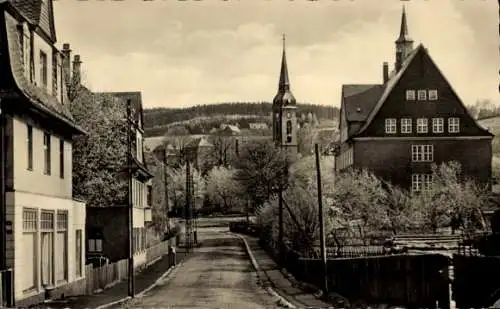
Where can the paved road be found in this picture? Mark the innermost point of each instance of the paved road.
(219, 275)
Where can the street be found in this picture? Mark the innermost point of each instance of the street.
(218, 275)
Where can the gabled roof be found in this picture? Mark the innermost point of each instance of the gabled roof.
(359, 100)
(38, 97)
(393, 81)
(39, 13)
(389, 86)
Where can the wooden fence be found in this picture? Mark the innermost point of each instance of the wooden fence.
(413, 281)
(100, 278)
(476, 283)
(155, 252)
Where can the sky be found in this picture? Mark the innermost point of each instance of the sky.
(185, 53)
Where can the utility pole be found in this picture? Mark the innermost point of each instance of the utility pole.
(165, 174)
(187, 210)
(321, 223)
(3, 232)
(130, 221)
(280, 209)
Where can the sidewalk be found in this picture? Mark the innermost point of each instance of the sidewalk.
(143, 280)
(285, 286)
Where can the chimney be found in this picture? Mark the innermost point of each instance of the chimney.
(66, 63)
(385, 69)
(76, 69)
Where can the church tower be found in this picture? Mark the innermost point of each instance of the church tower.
(284, 112)
(404, 45)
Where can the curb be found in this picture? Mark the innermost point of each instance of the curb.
(280, 299)
(143, 292)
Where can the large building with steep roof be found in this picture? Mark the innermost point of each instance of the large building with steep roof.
(43, 227)
(414, 118)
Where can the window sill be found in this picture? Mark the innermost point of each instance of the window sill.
(29, 169)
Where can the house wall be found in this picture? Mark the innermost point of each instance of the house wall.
(35, 181)
(76, 217)
(33, 189)
(391, 159)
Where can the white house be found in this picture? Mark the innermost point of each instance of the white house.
(45, 245)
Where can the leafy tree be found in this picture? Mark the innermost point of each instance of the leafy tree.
(452, 200)
(177, 188)
(159, 211)
(261, 169)
(222, 190)
(99, 158)
(305, 137)
(310, 118)
(357, 198)
(224, 150)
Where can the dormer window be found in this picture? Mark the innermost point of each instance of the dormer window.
(422, 95)
(410, 95)
(43, 69)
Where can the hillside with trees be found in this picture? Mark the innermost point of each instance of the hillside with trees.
(201, 119)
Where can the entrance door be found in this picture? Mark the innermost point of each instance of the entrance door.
(47, 257)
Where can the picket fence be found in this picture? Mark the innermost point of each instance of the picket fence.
(103, 277)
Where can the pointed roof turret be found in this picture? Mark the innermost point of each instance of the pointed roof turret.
(284, 80)
(403, 32)
(284, 97)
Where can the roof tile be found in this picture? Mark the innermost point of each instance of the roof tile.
(37, 96)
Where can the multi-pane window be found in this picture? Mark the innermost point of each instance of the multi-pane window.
(78, 253)
(422, 153)
(410, 95)
(437, 125)
(47, 220)
(453, 125)
(29, 256)
(43, 69)
(62, 246)
(433, 95)
(46, 152)
(95, 240)
(390, 125)
(421, 182)
(422, 95)
(29, 141)
(405, 125)
(422, 125)
(61, 158)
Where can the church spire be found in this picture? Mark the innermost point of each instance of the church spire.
(403, 32)
(404, 45)
(284, 83)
